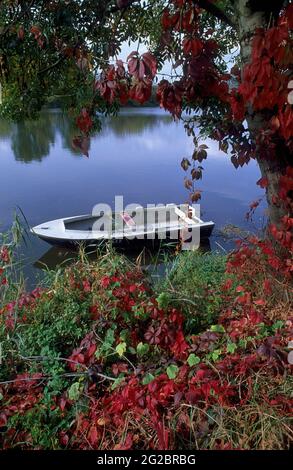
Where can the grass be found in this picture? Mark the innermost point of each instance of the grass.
(193, 284)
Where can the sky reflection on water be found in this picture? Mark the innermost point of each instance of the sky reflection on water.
(137, 154)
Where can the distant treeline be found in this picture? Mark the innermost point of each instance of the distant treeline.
(151, 103)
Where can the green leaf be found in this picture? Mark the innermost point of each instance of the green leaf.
(124, 334)
(218, 328)
(172, 371)
(121, 348)
(243, 343)
(216, 354)
(108, 342)
(1, 396)
(110, 338)
(278, 324)
(74, 391)
(117, 382)
(231, 347)
(148, 378)
(116, 284)
(142, 348)
(163, 300)
(192, 360)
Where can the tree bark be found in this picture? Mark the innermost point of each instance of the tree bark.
(254, 14)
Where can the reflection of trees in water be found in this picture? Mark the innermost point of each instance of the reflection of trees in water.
(128, 124)
(5, 129)
(67, 130)
(32, 140)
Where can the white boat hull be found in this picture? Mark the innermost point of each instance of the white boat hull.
(81, 230)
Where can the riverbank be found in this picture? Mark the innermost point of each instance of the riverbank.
(100, 357)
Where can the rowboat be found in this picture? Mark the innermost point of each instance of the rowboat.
(169, 222)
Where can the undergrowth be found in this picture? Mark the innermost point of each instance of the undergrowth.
(99, 358)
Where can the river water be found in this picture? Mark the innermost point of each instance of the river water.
(137, 155)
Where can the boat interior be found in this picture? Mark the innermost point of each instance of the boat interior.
(142, 219)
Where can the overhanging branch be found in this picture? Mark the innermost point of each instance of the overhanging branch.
(205, 4)
(122, 5)
(216, 11)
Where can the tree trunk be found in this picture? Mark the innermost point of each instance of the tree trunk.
(251, 15)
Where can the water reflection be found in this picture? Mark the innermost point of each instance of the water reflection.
(5, 129)
(33, 140)
(136, 124)
(137, 154)
(151, 259)
(30, 140)
(145, 255)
